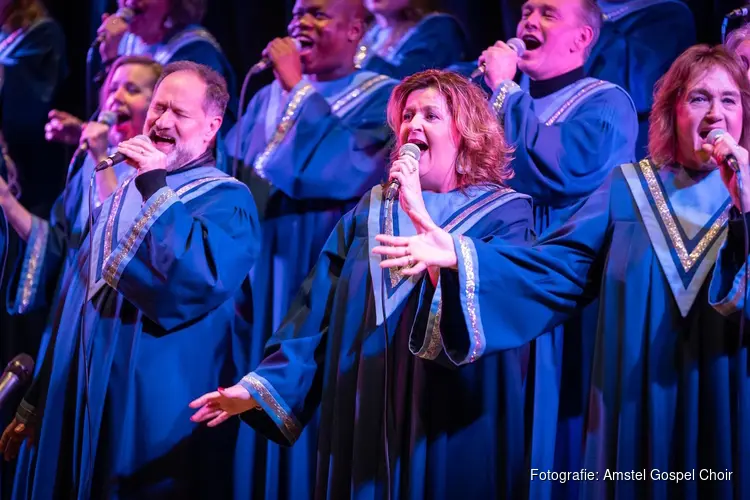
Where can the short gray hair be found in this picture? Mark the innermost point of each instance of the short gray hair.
(591, 16)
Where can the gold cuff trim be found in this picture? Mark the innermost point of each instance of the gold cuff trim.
(469, 292)
(291, 428)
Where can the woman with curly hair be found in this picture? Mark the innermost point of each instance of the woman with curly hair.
(395, 418)
(662, 244)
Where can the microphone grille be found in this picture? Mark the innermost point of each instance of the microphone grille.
(714, 134)
(518, 45)
(126, 14)
(21, 366)
(107, 118)
(411, 150)
(144, 137)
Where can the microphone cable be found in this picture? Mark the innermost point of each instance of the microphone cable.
(740, 190)
(6, 250)
(254, 70)
(386, 379)
(82, 344)
(240, 123)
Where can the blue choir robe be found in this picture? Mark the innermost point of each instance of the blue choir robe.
(193, 43)
(670, 389)
(436, 41)
(346, 345)
(567, 142)
(32, 68)
(64, 228)
(158, 328)
(310, 155)
(638, 42)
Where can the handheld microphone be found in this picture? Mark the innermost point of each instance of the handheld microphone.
(107, 118)
(266, 63)
(124, 13)
(741, 12)
(116, 158)
(730, 160)
(17, 374)
(407, 149)
(514, 43)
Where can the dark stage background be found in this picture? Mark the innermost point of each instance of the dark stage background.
(244, 27)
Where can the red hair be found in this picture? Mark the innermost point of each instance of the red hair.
(482, 149)
(691, 64)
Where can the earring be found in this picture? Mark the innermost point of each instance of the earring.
(460, 169)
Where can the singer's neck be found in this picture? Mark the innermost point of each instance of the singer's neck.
(541, 88)
(333, 74)
(155, 35)
(444, 185)
(394, 21)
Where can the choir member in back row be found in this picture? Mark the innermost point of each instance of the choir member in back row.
(399, 416)
(638, 42)
(738, 42)
(570, 131)
(32, 68)
(312, 143)
(146, 316)
(408, 36)
(167, 31)
(662, 243)
(125, 95)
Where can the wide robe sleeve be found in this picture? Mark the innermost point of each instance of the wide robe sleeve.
(35, 279)
(561, 163)
(727, 292)
(179, 261)
(323, 155)
(437, 42)
(288, 382)
(513, 224)
(504, 295)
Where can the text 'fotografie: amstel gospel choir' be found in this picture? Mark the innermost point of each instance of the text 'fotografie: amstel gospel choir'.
(641, 475)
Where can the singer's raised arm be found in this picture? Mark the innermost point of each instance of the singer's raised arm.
(47, 244)
(331, 146)
(503, 296)
(188, 250)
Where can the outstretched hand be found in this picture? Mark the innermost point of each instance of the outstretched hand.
(417, 253)
(218, 406)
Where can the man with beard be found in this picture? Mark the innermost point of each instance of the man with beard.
(153, 289)
(312, 143)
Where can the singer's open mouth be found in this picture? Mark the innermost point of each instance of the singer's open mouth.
(531, 42)
(161, 139)
(420, 144)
